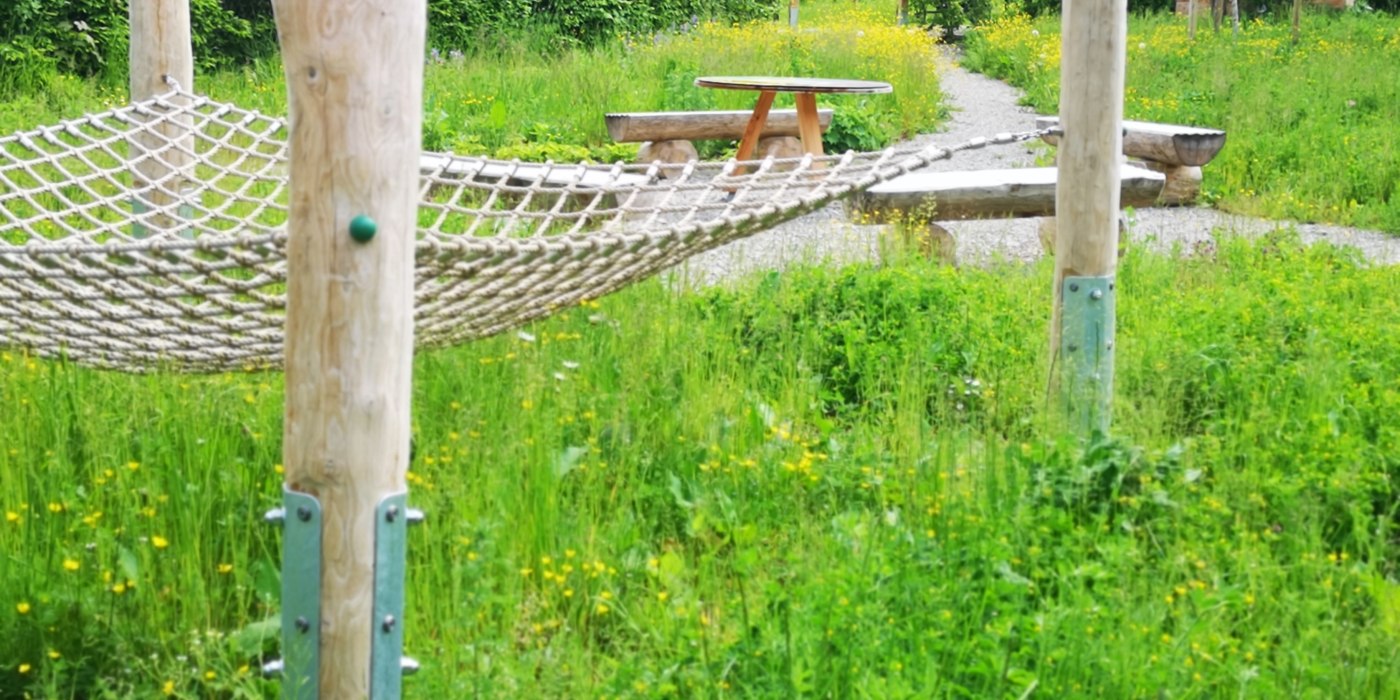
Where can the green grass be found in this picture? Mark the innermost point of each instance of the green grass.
(1311, 125)
(821, 483)
(511, 101)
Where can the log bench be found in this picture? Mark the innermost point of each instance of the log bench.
(667, 136)
(1171, 149)
(930, 197)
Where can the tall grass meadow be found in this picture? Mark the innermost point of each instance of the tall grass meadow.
(825, 482)
(1310, 124)
(829, 481)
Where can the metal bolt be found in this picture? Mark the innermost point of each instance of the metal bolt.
(388, 625)
(391, 513)
(303, 625)
(276, 515)
(303, 514)
(363, 228)
(415, 516)
(1108, 345)
(1096, 295)
(1073, 347)
(408, 665)
(272, 668)
(1073, 286)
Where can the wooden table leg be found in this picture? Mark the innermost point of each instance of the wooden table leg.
(754, 128)
(807, 125)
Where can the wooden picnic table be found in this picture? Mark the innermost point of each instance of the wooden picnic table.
(805, 91)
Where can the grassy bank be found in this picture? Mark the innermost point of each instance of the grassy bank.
(1311, 125)
(822, 483)
(507, 100)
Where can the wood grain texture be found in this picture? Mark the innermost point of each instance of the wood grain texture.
(1171, 144)
(1183, 183)
(160, 48)
(629, 127)
(809, 130)
(355, 88)
(982, 194)
(753, 129)
(1092, 68)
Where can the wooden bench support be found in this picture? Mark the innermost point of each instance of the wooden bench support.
(1175, 151)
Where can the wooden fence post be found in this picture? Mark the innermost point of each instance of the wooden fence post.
(792, 13)
(160, 50)
(1094, 36)
(355, 89)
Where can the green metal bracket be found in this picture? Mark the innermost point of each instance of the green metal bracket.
(139, 207)
(1086, 349)
(387, 663)
(301, 595)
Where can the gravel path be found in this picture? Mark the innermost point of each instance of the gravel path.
(982, 107)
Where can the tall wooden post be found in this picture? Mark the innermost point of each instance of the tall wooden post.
(355, 88)
(902, 13)
(160, 51)
(792, 13)
(1094, 36)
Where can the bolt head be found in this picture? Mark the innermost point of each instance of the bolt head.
(391, 513)
(1096, 294)
(303, 625)
(1074, 287)
(388, 624)
(363, 228)
(303, 513)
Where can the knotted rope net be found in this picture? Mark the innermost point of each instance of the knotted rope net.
(153, 235)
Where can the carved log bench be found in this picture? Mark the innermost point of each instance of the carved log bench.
(1171, 149)
(667, 136)
(930, 197)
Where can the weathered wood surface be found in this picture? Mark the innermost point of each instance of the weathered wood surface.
(1016, 192)
(160, 50)
(1093, 63)
(675, 153)
(626, 127)
(1183, 182)
(1165, 143)
(354, 76)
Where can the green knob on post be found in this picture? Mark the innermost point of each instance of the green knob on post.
(363, 228)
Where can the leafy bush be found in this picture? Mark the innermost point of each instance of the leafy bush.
(857, 127)
(90, 37)
(950, 14)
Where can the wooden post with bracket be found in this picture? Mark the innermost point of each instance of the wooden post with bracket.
(355, 93)
(1093, 65)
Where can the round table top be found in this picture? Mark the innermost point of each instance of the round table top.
(772, 84)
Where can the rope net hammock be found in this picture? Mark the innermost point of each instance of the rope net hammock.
(153, 235)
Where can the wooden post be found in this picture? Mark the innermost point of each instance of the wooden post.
(355, 89)
(902, 14)
(1191, 19)
(1094, 38)
(160, 50)
(792, 13)
(1297, 20)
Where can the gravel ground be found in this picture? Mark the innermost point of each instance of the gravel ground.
(982, 107)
